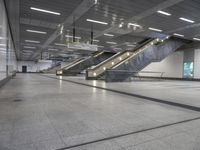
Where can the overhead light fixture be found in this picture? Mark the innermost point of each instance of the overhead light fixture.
(45, 11)
(59, 44)
(134, 24)
(111, 42)
(69, 36)
(187, 20)
(2, 44)
(95, 21)
(154, 29)
(130, 45)
(117, 48)
(197, 39)
(2, 38)
(52, 49)
(31, 41)
(30, 47)
(164, 13)
(34, 31)
(95, 40)
(176, 34)
(106, 34)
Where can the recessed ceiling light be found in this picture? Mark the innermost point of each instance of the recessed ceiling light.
(34, 31)
(95, 21)
(31, 41)
(164, 13)
(59, 44)
(134, 24)
(3, 49)
(69, 36)
(154, 29)
(2, 38)
(30, 47)
(176, 34)
(130, 45)
(96, 40)
(117, 49)
(197, 39)
(111, 35)
(2, 44)
(187, 20)
(46, 11)
(52, 49)
(111, 42)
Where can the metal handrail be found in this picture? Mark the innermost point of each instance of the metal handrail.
(108, 61)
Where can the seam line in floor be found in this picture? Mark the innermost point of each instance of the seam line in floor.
(189, 107)
(130, 133)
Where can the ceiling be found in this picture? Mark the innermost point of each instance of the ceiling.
(113, 12)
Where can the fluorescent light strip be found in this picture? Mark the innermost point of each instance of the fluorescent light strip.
(59, 44)
(2, 38)
(52, 49)
(133, 24)
(95, 21)
(34, 31)
(154, 29)
(197, 39)
(2, 44)
(187, 20)
(46, 11)
(31, 41)
(164, 13)
(176, 34)
(111, 35)
(30, 47)
(69, 36)
(117, 48)
(95, 40)
(130, 45)
(111, 42)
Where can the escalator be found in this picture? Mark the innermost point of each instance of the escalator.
(98, 71)
(123, 65)
(81, 64)
(138, 61)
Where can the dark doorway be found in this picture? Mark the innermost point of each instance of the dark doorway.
(24, 69)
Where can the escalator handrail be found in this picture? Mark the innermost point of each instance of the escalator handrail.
(136, 52)
(70, 64)
(80, 59)
(120, 53)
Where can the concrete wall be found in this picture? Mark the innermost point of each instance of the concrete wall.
(197, 63)
(172, 66)
(8, 61)
(33, 66)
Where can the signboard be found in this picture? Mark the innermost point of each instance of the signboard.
(188, 69)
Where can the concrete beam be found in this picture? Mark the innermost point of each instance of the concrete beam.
(76, 14)
(163, 5)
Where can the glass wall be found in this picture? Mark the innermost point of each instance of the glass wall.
(7, 52)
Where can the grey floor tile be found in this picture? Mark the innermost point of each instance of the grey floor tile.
(134, 139)
(84, 138)
(107, 145)
(152, 145)
(51, 144)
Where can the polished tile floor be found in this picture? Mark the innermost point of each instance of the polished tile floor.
(41, 113)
